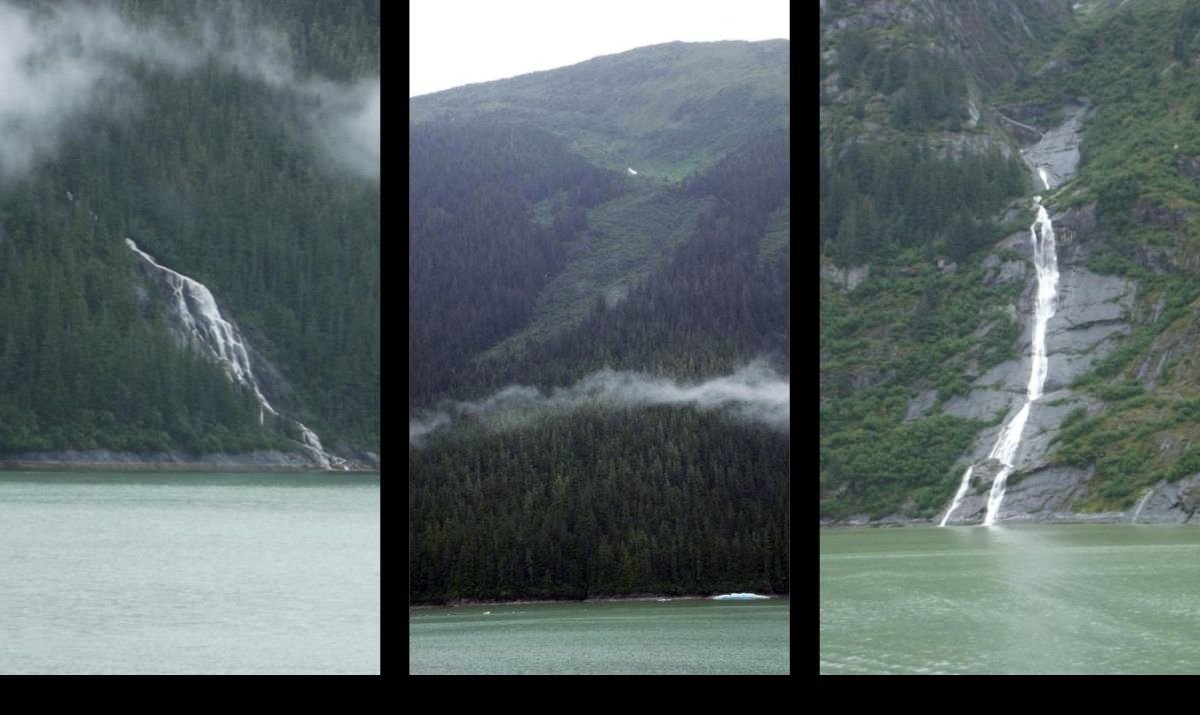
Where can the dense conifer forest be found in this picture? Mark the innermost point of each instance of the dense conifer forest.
(210, 171)
(653, 501)
(594, 501)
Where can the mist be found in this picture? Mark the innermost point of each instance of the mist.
(755, 393)
(67, 62)
(348, 127)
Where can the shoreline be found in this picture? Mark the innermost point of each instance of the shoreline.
(167, 467)
(458, 603)
(102, 460)
(1079, 520)
(9, 467)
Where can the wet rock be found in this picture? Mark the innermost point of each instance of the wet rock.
(1150, 370)
(920, 405)
(848, 278)
(1051, 494)
(1171, 502)
(985, 473)
(1155, 214)
(1107, 517)
(261, 460)
(1058, 150)
(1156, 310)
(1036, 495)
(971, 511)
(1075, 224)
(1026, 112)
(1055, 66)
(1093, 313)
(1152, 258)
(1188, 166)
(983, 404)
(1021, 130)
(1042, 426)
(999, 271)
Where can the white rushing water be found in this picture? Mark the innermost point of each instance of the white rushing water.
(1141, 504)
(962, 489)
(1045, 261)
(197, 309)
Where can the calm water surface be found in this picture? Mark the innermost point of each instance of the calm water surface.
(189, 573)
(1090, 599)
(690, 637)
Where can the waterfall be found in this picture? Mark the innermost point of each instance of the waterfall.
(1045, 261)
(1141, 504)
(197, 310)
(962, 489)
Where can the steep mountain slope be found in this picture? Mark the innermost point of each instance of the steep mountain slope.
(231, 141)
(665, 110)
(519, 237)
(596, 352)
(1102, 111)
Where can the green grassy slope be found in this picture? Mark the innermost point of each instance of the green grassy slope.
(666, 110)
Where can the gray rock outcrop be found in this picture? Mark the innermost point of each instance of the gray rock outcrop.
(1169, 502)
(262, 460)
(847, 278)
(1057, 151)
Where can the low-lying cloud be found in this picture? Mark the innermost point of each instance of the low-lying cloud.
(348, 127)
(755, 393)
(66, 62)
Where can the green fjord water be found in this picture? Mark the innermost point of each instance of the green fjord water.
(687, 637)
(1062, 599)
(190, 573)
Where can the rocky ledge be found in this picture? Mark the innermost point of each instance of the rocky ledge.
(258, 461)
(1048, 496)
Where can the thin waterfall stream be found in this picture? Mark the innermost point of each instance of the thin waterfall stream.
(1045, 261)
(197, 310)
(1141, 504)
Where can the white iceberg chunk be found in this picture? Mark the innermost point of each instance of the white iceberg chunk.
(631, 171)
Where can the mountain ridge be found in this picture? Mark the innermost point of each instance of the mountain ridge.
(652, 106)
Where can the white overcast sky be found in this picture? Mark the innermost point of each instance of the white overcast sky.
(457, 42)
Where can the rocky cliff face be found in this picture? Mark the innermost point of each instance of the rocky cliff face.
(1048, 495)
(1094, 312)
(987, 37)
(1143, 228)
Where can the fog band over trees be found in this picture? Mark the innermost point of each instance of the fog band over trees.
(62, 64)
(755, 393)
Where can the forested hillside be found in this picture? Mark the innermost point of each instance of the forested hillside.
(535, 265)
(477, 260)
(658, 501)
(210, 140)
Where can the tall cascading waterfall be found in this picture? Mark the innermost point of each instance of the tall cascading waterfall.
(197, 309)
(1045, 261)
